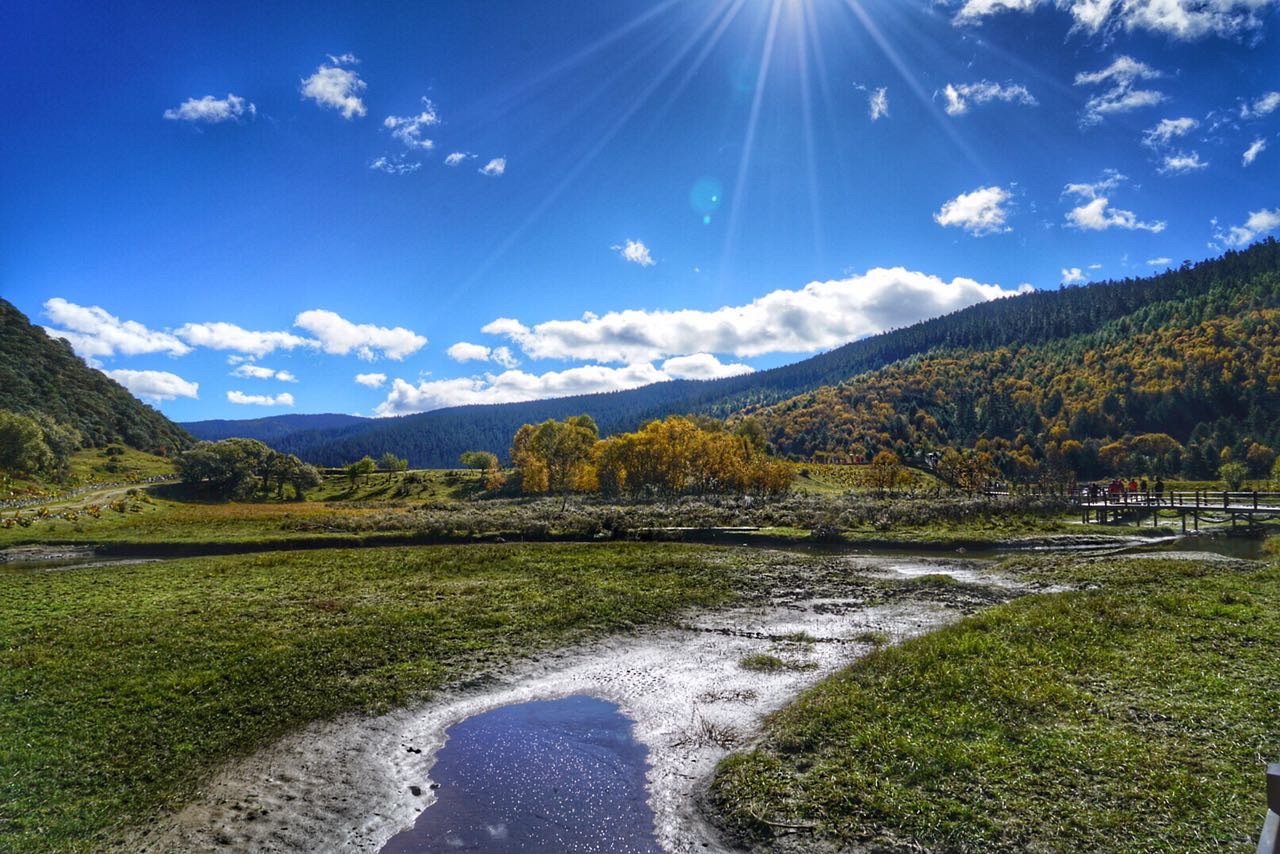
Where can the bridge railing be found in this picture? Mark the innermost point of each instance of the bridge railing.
(1201, 498)
(1269, 841)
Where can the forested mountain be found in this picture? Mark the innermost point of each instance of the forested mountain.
(436, 438)
(272, 430)
(42, 375)
(1180, 386)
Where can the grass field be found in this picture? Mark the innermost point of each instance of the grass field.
(122, 685)
(1136, 715)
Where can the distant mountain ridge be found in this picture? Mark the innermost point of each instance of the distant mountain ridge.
(435, 439)
(271, 429)
(40, 374)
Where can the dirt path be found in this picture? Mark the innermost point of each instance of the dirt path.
(352, 783)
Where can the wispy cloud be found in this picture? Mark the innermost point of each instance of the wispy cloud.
(251, 370)
(1182, 164)
(635, 252)
(410, 129)
(465, 351)
(395, 165)
(1121, 95)
(1258, 224)
(1183, 20)
(959, 96)
(1251, 153)
(1263, 105)
(878, 104)
(457, 158)
(371, 380)
(1167, 130)
(211, 110)
(1096, 213)
(495, 168)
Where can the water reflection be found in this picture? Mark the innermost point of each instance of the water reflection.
(553, 775)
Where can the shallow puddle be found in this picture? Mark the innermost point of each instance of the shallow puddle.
(550, 775)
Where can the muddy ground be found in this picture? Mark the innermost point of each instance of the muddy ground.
(352, 783)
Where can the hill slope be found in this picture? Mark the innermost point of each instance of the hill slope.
(436, 438)
(1178, 387)
(43, 374)
(272, 429)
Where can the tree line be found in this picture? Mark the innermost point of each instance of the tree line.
(676, 455)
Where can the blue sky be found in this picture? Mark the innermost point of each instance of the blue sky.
(249, 209)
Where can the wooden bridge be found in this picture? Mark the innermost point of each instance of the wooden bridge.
(1202, 505)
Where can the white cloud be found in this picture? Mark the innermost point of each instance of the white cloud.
(980, 212)
(495, 168)
(1176, 19)
(409, 129)
(1074, 276)
(702, 366)
(973, 11)
(1181, 164)
(817, 317)
(458, 157)
(211, 110)
(337, 87)
(1096, 214)
(504, 357)
(1120, 96)
(340, 336)
(238, 397)
(982, 92)
(1264, 105)
(1168, 129)
(636, 252)
(395, 165)
(514, 386)
(261, 372)
(1251, 153)
(878, 104)
(92, 332)
(228, 336)
(464, 351)
(371, 380)
(1259, 223)
(344, 59)
(155, 385)
(1162, 261)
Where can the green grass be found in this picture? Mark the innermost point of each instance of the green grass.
(1134, 716)
(122, 686)
(763, 662)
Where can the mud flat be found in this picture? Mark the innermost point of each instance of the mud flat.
(352, 783)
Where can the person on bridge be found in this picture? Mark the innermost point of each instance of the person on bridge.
(1159, 490)
(1133, 489)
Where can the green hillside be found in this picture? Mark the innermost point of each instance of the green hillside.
(42, 375)
(1179, 387)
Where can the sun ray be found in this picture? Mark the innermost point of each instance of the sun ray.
(749, 138)
(634, 106)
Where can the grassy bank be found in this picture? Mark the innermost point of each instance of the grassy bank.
(164, 515)
(121, 685)
(1135, 715)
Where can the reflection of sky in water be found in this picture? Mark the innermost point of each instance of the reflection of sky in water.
(553, 775)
